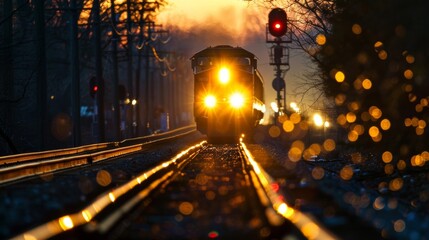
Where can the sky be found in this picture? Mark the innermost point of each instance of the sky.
(203, 23)
(237, 17)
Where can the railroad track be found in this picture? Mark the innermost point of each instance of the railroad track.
(21, 166)
(206, 191)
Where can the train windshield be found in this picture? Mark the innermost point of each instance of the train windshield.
(205, 63)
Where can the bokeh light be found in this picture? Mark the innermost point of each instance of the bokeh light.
(288, 126)
(321, 39)
(295, 118)
(356, 29)
(385, 124)
(379, 203)
(340, 99)
(274, 131)
(410, 59)
(353, 136)
(375, 112)
(317, 172)
(351, 117)
(396, 184)
(366, 84)
(340, 76)
(399, 225)
(329, 145)
(213, 234)
(346, 173)
(389, 169)
(295, 154)
(387, 157)
(186, 208)
(408, 74)
(103, 178)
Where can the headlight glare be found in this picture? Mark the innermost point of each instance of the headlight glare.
(210, 101)
(236, 100)
(224, 75)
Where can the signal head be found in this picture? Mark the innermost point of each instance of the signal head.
(277, 22)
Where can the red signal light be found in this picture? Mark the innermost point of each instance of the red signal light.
(93, 87)
(277, 21)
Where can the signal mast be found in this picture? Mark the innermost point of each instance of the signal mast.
(279, 54)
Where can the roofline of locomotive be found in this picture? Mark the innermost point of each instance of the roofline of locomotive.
(224, 49)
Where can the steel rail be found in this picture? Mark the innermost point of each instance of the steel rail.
(35, 156)
(156, 136)
(24, 170)
(36, 167)
(24, 157)
(308, 226)
(87, 216)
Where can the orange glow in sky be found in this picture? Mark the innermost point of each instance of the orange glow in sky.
(237, 17)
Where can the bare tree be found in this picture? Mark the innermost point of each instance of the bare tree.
(20, 64)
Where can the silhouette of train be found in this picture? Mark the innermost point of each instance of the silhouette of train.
(228, 93)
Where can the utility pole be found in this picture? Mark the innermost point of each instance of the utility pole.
(99, 71)
(116, 106)
(75, 74)
(147, 83)
(137, 82)
(130, 66)
(6, 62)
(41, 70)
(142, 24)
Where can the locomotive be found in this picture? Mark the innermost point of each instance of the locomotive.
(228, 93)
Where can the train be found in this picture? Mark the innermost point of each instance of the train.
(228, 93)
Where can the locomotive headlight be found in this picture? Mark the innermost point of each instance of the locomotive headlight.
(236, 100)
(224, 75)
(210, 101)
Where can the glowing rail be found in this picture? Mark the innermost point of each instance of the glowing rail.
(304, 222)
(87, 214)
(20, 166)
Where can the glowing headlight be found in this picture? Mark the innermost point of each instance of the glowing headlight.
(210, 101)
(224, 75)
(236, 100)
